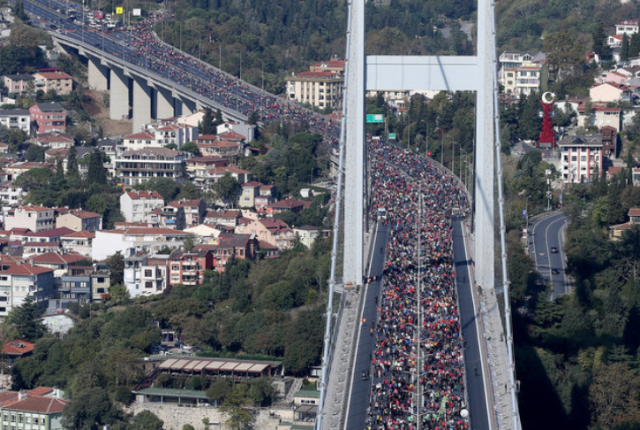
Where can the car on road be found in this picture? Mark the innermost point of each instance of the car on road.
(555, 272)
(554, 249)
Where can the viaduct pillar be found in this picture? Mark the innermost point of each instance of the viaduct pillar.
(119, 97)
(141, 103)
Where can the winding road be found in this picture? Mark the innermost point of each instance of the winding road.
(546, 232)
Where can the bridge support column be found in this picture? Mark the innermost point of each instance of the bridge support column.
(187, 107)
(164, 103)
(97, 74)
(141, 103)
(119, 95)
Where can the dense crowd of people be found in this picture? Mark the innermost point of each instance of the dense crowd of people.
(206, 80)
(399, 177)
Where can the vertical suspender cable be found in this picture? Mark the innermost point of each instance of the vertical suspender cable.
(326, 355)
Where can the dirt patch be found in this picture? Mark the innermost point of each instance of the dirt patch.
(100, 114)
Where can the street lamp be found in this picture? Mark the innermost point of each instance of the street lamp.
(262, 62)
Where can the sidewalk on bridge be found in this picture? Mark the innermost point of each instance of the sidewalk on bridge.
(494, 349)
(348, 326)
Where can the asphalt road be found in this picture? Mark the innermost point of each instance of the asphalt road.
(546, 232)
(476, 388)
(360, 389)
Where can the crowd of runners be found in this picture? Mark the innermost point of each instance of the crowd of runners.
(398, 178)
(212, 83)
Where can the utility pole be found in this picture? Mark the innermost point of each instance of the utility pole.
(418, 327)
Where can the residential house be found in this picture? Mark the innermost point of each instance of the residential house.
(250, 190)
(614, 77)
(600, 117)
(580, 158)
(197, 167)
(75, 286)
(137, 205)
(35, 218)
(273, 231)
(21, 281)
(146, 275)
(16, 169)
(55, 140)
(207, 233)
(291, 205)
(18, 84)
(212, 145)
(32, 412)
(11, 194)
(35, 248)
(609, 92)
(16, 349)
(58, 262)
(100, 282)
(137, 167)
(135, 239)
(48, 118)
(79, 220)
(16, 119)
(137, 141)
(628, 27)
(609, 141)
(307, 234)
(226, 218)
(176, 134)
(615, 40)
(188, 267)
(48, 235)
(320, 86)
(59, 82)
(169, 216)
(236, 131)
(79, 241)
(525, 79)
(266, 196)
(194, 211)
(240, 246)
(616, 231)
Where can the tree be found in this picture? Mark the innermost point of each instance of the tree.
(208, 124)
(25, 321)
(72, 162)
(227, 188)
(146, 420)
(624, 49)
(97, 174)
(613, 395)
(564, 53)
(188, 427)
(219, 390)
(116, 268)
(189, 242)
(167, 187)
(600, 45)
(192, 148)
(35, 153)
(89, 410)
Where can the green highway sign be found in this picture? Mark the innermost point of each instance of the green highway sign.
(375, 118)
(392, 135)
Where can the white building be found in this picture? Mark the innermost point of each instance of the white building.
(138, 141)
(145, 275)
(135, 239)
(247, 131)
(137, 205)
(137, 167)
(628, 27)
(580, 158)
(177, 134)
(35, 218)
(16, 118)
(21, 281)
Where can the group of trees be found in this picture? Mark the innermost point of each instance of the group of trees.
(580, 352)
(248, 309)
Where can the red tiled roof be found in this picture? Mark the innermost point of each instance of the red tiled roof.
(252, 184)
(52, 232)
(38, 404)
(141, 136)
(231, 135)
(40, 391)
(41, 244)
(27, 270)
(18, 347)
(54, 75)
(84, 214)
(144, 195)
(634, 212)
(55, 258)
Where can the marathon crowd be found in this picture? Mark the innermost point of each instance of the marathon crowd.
(221, 87)
(398, 177)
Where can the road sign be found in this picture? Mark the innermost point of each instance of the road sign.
(392, 135)
(375, 118)
(137, 12)
(119, 11)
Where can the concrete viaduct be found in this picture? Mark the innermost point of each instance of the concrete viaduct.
(135, 92)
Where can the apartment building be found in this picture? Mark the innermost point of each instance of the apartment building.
(17, 84)
(79, 220)
(59, 82)
(580, 158)
(16, 119)
(136, 206)
(188, 267)
(146, 275)
(48, 118)
(35, 218)
(23, 280)
(138, 166)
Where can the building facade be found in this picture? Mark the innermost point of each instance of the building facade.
(580, 158)
(139, 166)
